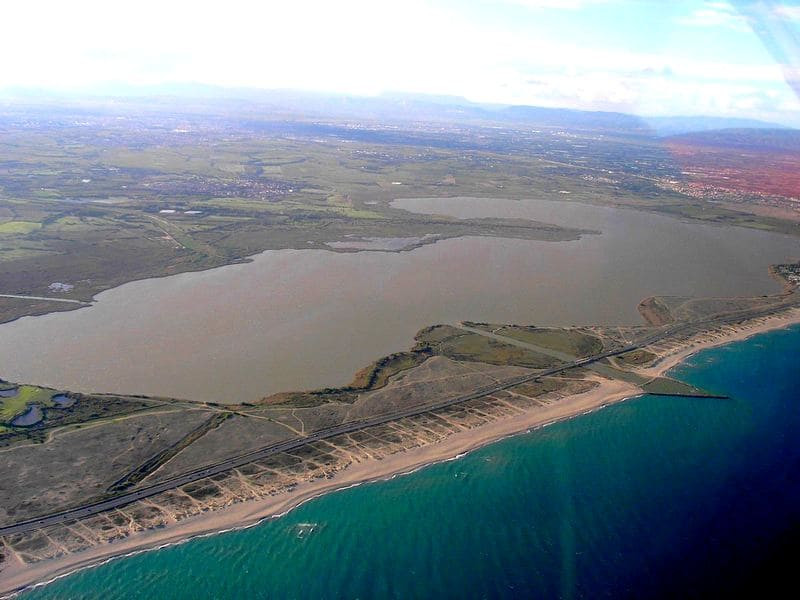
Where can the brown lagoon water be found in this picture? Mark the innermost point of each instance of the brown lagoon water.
(294, 319)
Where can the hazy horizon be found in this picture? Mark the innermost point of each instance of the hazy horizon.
(734, 59)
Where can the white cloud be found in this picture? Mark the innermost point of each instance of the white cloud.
(790, 13)
(714, 14)
(658, 96)
(557, 4)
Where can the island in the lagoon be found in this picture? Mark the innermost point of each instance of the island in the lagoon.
(460, 387)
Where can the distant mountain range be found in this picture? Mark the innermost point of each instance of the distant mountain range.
(669, 126)
(393, 106)
(545, 116)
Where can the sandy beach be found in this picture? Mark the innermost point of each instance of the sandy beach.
(715, 338)
(16, 575)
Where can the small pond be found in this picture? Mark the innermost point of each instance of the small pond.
(30, 417)
(62, 401)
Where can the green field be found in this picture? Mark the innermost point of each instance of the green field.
(460, 345)
(19, 227)
(568, 341)
(28, 394)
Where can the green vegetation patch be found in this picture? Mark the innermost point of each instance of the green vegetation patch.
(636, 358)
(665, 386)
(568, 341)
(378, 373)
(370, 378)
(72, 223)
(84, 409)
(436, 334)
(312, 399)
(477, 348)
(27, 394)
(461, 345)
(472, 347)
(19, 227)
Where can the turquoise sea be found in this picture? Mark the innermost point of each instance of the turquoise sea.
(653, 497)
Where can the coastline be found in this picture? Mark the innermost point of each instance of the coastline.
(713, 339)
(17, 576)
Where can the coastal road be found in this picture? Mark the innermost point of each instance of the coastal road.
(66, 300)
(350, 427)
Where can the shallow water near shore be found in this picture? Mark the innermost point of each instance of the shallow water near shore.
(301, 319)
(653, 497)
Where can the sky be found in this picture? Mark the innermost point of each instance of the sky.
(647, 57)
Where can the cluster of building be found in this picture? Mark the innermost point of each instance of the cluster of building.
(714, 192)
(60, 288)
(240, 188)
(790, 272)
